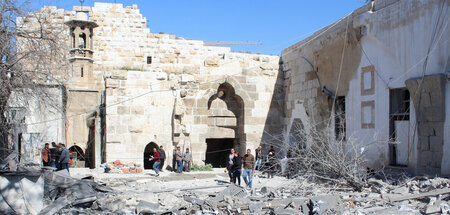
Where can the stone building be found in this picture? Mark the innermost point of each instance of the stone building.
(377, 79)
(385, 69)
(128, 90)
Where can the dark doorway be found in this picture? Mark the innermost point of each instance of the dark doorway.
(217, 151)
(78, 156)
(399, 103)
(148, 152)
(90, 149)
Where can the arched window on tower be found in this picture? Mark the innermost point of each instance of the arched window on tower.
(82, 71)
(82, 41)
(90, 41)
(73, 41)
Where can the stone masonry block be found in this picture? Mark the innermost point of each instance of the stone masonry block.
(119, 74)
(255, 120)
(121, 129)
(248, 87)
(135, 128)
(427, 129)
(436, 143)
(212, 62)
(189, 102)
(424, 143)
(137, 110)
(225, 121)
(112, 83)
(201, 111)
(121, 110)
(432, 87)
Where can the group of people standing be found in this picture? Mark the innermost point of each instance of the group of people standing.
(246, 165)
(179, 159)
(57, 157)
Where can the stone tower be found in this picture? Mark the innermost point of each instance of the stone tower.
(81, 51)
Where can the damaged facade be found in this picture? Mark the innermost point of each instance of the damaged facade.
(128, 90)
(378, 79)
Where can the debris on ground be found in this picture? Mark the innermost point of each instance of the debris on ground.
(208, 193)
(118, 167)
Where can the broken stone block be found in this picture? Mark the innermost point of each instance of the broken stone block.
(194, 200)
(328, 202)
(62, 178)
(147, 207)
(255, 207)
(282, 210)
(55, 206)
(431, 209)
(168, 199)
(400, 190)
(115, 205)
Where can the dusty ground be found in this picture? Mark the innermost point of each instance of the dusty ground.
(147, 181)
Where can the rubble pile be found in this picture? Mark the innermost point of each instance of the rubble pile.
(420, 195)
(110, 193)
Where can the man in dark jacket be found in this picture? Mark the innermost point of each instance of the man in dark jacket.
(54, 151)
(249, 168)
(237, 167)
(162, 155)
(64, 158)
(259, 157)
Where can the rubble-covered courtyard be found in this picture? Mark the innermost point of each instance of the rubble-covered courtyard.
(87, 191)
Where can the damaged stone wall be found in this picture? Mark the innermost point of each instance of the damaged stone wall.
(159, 85)
(381, 53)
(40, 114)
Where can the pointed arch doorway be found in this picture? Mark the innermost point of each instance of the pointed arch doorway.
(226, 125)
(148, 152)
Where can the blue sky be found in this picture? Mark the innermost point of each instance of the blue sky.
(276, 23)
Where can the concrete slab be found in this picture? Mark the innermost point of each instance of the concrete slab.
(21, 194)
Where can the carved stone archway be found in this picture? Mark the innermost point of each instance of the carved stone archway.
(226, 122)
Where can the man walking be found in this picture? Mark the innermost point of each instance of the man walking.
(64, 157)
(258, 154)
(179, 158)
(46, 155)
(249, 168)
(237, 168)
(157, 161)
(187, 160)
(162, 154)
(230, 164)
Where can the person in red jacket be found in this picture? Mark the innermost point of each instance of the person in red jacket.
(157, 159)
